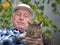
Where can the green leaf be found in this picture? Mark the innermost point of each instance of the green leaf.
(47, 32)
(0, 1)
(12, 1)
(25, 1)
(58, 30)
(54, 10)
(36, 2)
(38, 17)
(33, 7)
(43, 1)
(41, 8)
(54, 5)
(58, 1)
(45, 23)
(54, 26)
(48, 1)
(1, 9)
(55, 30)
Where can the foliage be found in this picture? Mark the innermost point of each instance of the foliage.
(47, 32)
(6, 12)
(58, 1)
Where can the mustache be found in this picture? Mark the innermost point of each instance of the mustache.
(21, 22)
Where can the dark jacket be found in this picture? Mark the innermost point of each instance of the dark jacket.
(46, 40)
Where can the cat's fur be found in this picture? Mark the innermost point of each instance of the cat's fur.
(34, 31)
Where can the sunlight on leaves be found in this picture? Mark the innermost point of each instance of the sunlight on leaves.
(47, 32)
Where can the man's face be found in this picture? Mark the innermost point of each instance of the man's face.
(21, 18)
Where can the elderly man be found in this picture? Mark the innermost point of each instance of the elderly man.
(21, 17)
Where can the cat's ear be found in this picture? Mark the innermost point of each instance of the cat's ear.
(40, 24)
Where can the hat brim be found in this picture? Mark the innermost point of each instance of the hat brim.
(22, 7)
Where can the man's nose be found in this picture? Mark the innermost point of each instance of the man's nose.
(21, 17)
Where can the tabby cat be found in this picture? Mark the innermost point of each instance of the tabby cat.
(34, 31)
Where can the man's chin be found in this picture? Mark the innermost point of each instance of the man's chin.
(21, 27)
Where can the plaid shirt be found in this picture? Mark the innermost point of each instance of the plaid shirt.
(10, 37)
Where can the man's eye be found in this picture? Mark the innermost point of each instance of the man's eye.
(18, 14)
(26, 16)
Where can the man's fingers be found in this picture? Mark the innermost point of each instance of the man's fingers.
(22, 35)
(34, 41)
(29, 40)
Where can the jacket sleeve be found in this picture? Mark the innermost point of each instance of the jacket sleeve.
(7, 38)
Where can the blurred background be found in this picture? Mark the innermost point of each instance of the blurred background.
(46, 12)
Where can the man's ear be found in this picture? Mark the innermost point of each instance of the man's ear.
(12, 18)
(40, 24)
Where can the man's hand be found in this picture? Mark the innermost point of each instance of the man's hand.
(23, 35)
(34, 41)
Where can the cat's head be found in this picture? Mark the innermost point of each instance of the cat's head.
(35, 26)
(34, 30)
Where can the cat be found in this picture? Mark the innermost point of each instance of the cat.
(34, 31)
